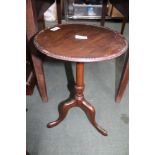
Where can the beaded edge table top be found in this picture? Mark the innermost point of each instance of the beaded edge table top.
(80, 43)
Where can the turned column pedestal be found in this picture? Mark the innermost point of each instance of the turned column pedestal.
(80, 43)
(78, 101)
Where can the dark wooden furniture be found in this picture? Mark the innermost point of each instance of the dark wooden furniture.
(30, 77)
(34, 12)
(101, 44)
(31, 29)
(124, 80)
(104, 11)
(123, 7)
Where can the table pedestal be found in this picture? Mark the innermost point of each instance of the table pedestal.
(78, 101)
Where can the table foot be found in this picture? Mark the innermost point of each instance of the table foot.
(85, 106)
(63, 110)
(90, 112)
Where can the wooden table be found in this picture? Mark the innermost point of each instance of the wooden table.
(101, 44)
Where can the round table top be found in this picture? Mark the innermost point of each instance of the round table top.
(80, 43)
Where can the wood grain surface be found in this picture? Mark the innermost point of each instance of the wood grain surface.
(102, 43)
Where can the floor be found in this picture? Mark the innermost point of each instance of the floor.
(75, 135)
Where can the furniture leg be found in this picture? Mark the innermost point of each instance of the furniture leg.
(81, 102)
(123, 25)
(39, 72)
(111, 10)
(63, 110)
(31, 29)
(58, 4)
(78, 101)
(104, 12)
(124, 81)
(90, 112)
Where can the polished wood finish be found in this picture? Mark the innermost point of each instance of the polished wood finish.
(78, 101)
(80, 74)
(31, 29)
(123, 81)
(102, 44)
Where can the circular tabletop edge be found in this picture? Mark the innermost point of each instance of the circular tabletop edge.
(75, 59)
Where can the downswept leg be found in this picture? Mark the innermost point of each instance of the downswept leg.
(90, 112)
(63, 110)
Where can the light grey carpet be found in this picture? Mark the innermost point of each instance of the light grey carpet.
(75, 135)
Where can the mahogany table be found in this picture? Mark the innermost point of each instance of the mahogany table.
(96, 44)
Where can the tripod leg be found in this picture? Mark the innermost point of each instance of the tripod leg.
(63, 110)
(90, 112)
